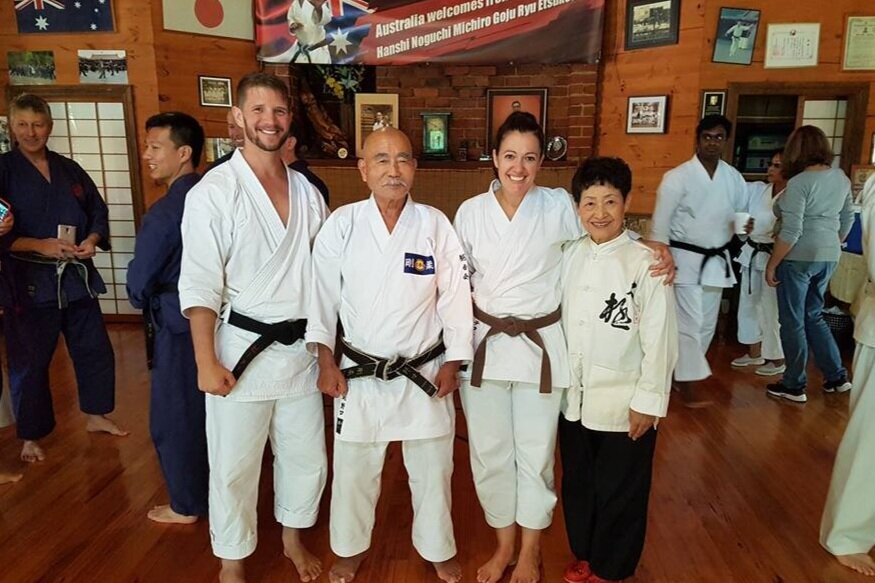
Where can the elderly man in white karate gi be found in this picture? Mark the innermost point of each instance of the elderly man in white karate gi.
(848, 526)
(394, 273)
(695, 215)
(247, 231)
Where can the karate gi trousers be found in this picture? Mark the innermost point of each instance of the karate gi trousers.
(605, 489)
(31, 340)
(697, 307)
(355, 490)
(177, 420)
(848, 524)
(512, 442)
(758, 314)
(237, 432)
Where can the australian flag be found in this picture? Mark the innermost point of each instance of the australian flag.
(344, 34)
(63, 15)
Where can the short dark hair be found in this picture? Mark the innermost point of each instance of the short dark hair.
(259, 79)
(776, 152)
(30, 102)
(522, 122)
(184, 131)
(806, 146)
(709, 122)
(602, 170)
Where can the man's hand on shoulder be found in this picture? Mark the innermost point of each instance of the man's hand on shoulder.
(664, 265)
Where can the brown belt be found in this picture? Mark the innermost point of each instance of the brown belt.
(514, 327)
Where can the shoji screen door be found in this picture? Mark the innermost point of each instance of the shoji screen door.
(95, 127)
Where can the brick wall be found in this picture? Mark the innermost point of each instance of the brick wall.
(571, 98)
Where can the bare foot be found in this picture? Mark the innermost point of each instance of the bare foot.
(449, 571)
(344, 568)
(493, 570)
(103, 424)
(31, 452)
(528, 568)
(861, 563)
(308, 566)
(9, 477)
(232, 572)
(166, 515)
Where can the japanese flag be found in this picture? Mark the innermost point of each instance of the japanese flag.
(225, 18)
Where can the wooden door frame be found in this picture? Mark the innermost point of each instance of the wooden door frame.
(857, 95)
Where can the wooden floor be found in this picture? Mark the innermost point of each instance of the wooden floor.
(737, 497)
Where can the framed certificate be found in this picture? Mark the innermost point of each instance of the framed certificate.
(792, 45)
(859, 44)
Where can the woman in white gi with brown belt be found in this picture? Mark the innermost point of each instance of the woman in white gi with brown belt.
(513, 236)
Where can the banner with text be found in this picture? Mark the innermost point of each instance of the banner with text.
(400, 32)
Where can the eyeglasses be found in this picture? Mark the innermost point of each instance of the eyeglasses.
(714, 137)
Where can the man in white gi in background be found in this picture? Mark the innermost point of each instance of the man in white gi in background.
(247, 231)
(395, 271)
(847, 529)
(695, 214)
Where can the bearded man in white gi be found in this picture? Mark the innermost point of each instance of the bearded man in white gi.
(247, 231)
(848, 526)
(695, 215)
(395, 273)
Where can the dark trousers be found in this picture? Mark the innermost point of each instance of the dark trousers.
(177, 423)
(605, 487)
(31, 339)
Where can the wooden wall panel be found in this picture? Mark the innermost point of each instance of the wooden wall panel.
(181, 57)
(684, 70)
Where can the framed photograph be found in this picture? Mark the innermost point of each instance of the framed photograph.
(5, 140)
(792, 45)
(374, 111)
(31, 67)
(859, 44)
(860, 173)
(652, 23)
(736, 36)
(713, 103)
(215, 148)
(500, 103)
(436, 135)
(215, 91)
(647, 115)
(103, 66)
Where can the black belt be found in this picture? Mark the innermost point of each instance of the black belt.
(708, 253)
(286, 333)
(757, 248)
(149, 326)
(387, 369)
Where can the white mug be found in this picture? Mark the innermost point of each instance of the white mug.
(741, 220)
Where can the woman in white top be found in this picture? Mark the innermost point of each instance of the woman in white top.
(513, 236)
(758, 325)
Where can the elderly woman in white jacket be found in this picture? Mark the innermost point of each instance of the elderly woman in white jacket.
(848, 526)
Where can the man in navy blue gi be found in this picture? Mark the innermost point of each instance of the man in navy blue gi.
(60, 220)
(174, 143)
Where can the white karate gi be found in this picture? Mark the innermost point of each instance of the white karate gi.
(515, 268)
(237, 254)
(848, 524)
(757, 302)
(694, 208)
(395, 293)
(621, 329)
(311, 32)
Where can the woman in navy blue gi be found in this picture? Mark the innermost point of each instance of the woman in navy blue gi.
(52, 284)
(174, 142)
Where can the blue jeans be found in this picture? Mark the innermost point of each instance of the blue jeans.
(800, 307)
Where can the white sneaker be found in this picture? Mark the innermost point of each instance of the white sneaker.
(748, 360)
(770, 369)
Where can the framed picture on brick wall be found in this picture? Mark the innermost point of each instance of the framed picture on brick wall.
(373, 112)
(500, 103)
